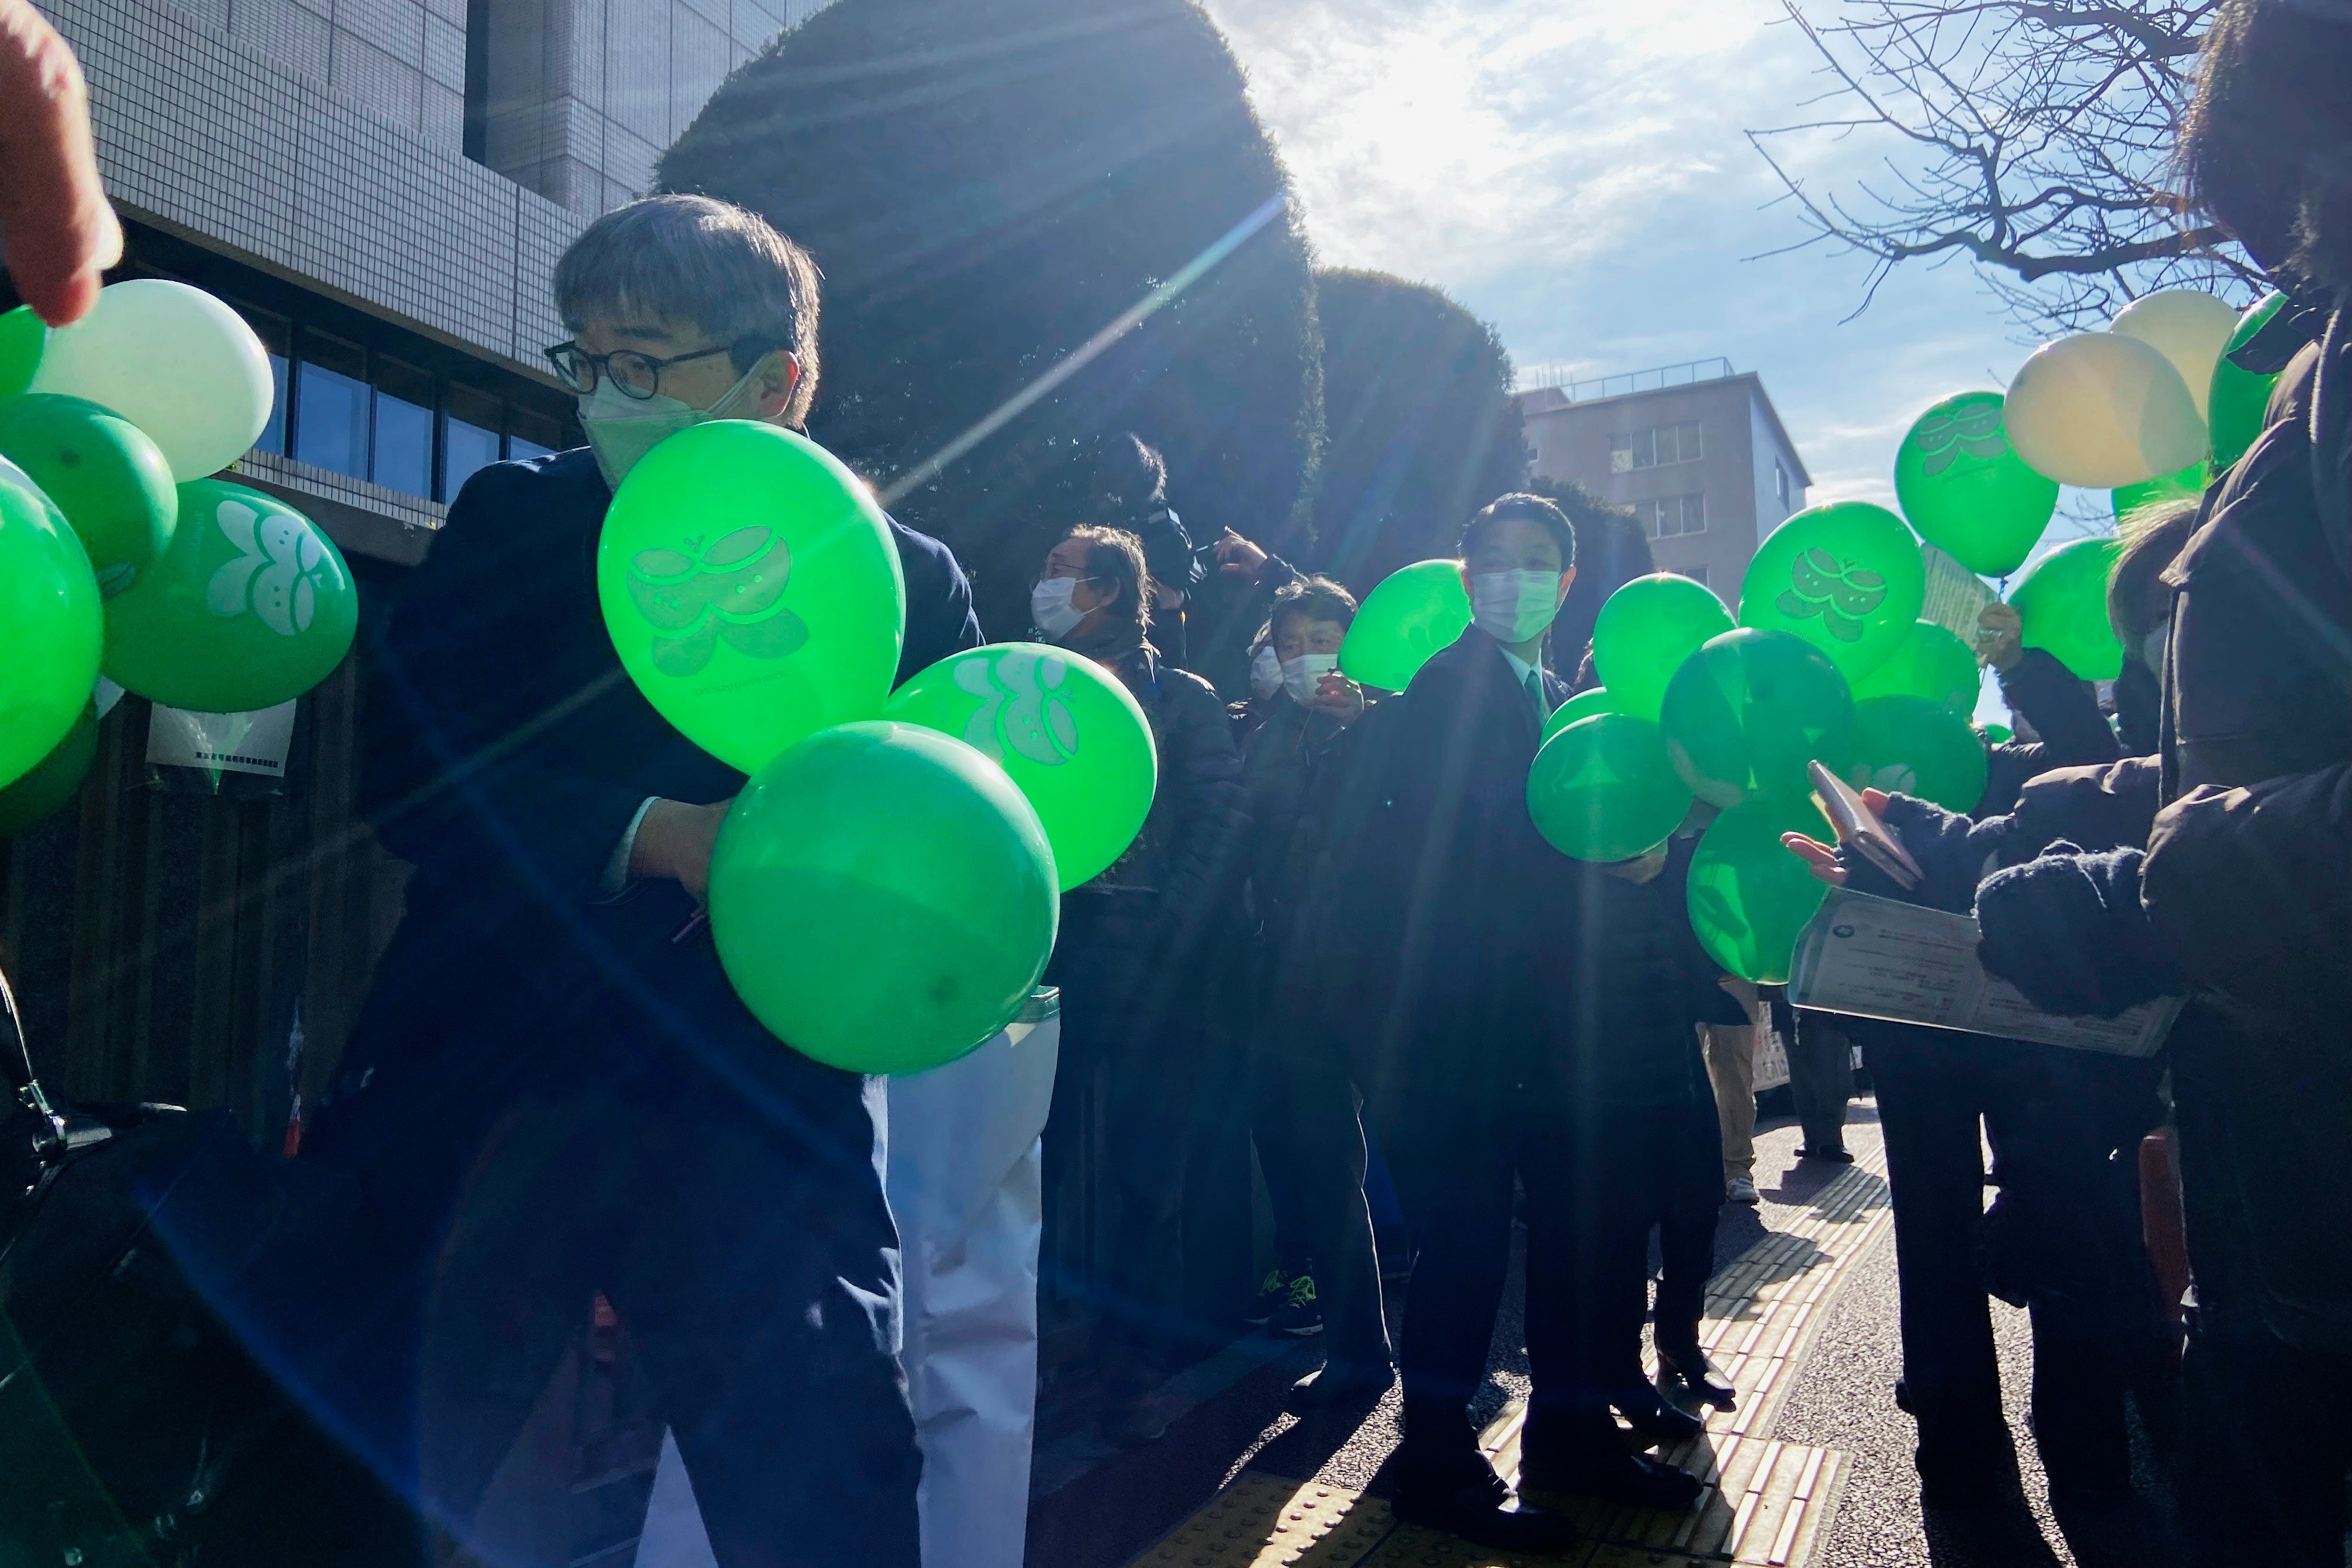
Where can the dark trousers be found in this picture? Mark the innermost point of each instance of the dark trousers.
(1310, 1145)
(1454, 1161)
(775, 1373)
(2260, 1480)
(1689, 1178)
(1124, 1090)
(2051, 1244)
(754, 1283)
(1821, 1080)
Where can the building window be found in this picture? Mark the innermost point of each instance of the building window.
(1780, 484)
(1656, 448)
(1672, 517)
(331, 405)
(470, 440)
(344, 407)
(403, 453)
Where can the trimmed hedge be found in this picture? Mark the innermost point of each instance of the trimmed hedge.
(987, 185)
(1421, 428)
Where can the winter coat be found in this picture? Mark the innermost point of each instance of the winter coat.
(2063, 710)
(2248, 876)
(1147, 918)
(1292, 756)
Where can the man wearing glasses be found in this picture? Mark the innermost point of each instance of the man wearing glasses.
(552, 1092)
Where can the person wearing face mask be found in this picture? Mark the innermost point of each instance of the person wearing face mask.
(1129, 961)
(1459, 919)
(1310, 1145)
(552, 1090)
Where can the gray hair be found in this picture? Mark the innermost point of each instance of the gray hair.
(722, 267)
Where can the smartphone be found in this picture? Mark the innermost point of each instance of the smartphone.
(1855, 825)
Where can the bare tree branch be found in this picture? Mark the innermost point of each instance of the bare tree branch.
(2032, 137)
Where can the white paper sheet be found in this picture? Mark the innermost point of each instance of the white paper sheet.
(1876, 958)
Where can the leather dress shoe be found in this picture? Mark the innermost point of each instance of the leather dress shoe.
(1627, 1479)
(1660, 1425)
(1476, 1514)
(1690, 1367)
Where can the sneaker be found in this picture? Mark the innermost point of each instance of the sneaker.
(1273, 1294)
(1741, 1190)
(1300, 1313)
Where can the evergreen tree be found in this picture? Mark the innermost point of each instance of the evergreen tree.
(989, 184)
(1421, 427)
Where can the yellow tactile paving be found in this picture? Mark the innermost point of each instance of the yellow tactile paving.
(1766, 1500)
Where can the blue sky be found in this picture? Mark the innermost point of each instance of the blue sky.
(1576, 173)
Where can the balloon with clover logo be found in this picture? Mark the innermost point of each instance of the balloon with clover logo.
(751, 587)
(250, 606)
(1910, 745)
(1746, 714)
(1066, 731)
(1932, 663)
(1602, 789)
(1749, 897)
(1965, 489)
(50, 629)
(1847, 578)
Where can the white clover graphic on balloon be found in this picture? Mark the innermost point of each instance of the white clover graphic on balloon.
(280, 567)
(1943, 438)
(1021, 714)
(733, 591)
(1839, 592)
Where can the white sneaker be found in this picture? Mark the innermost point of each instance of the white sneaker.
(1740, 1190)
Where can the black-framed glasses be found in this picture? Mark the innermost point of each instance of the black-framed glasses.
(637, 374)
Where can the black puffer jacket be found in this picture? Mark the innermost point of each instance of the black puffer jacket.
(1292, 757)
(2248, 877)
(1144, 920)
(2063, 710)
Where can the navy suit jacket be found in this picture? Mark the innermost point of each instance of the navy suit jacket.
(503, 753)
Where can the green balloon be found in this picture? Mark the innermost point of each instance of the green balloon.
(250, 606)
(2062, 606)
(53, 781)
(1995, 734)
(1931, 663)
(1748, 896)
(1409, 614)
(883, 898)
(23, 336)
(1746, 712)
(1583, 705)
(1645, 632)
(50, 628)
(1602, 789)
(1966, 489)
(102, 472)
(751, 586)
(1063, 728)
(1912, 746)
(2239, 400)
(2188, 484)
(1848, 578)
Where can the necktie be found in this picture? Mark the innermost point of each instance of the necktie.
(1536, 696)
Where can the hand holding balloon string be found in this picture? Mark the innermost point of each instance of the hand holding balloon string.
(1999, 636)
(674, 843)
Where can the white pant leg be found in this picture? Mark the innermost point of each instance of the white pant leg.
(964, 1181)
(964, 1184)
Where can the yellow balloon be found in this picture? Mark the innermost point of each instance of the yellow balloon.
(2188, 326)
(2102, 411)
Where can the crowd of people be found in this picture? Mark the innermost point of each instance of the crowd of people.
(555, 1106)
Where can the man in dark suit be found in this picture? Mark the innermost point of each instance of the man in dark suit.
(552, 1091)
(1463, 1068)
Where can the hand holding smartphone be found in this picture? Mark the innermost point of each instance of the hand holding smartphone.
(1858, 826)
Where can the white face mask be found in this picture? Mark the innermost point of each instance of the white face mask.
(1050, 610)
(1302, 675)
(2151, 648)
(1266, 673)
(621, 429)
(1514, 607)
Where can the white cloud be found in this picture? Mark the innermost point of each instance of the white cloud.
(1577, 175)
